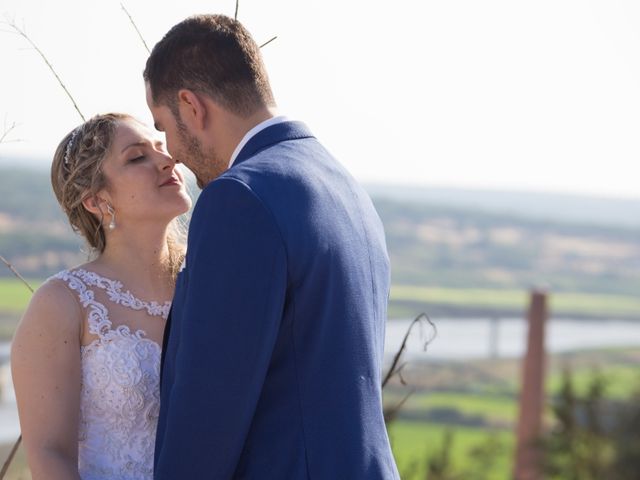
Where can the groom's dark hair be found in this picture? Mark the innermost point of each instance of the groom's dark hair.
(214, 55)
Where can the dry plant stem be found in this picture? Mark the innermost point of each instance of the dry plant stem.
(395, 369)
(23, 34)
(12, 454)
(7, 131)
(402, 402)
(391, 413)
(235, 16)
(15, 272)
(268, 41)
(28, 39)
(136, 28)
(7, 463)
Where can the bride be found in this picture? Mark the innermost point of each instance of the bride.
(86, 355)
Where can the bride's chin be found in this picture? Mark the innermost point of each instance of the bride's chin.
(186, 205)
(181, 203)
(183, 209)
(184, 196)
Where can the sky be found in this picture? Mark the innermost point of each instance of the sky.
(494, 94)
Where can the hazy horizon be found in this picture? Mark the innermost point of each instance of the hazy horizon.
(493, 95)
(42, 162)
(535, 205)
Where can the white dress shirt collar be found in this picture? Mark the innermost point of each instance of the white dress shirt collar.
(251, 133)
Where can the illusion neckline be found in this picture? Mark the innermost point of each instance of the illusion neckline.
(116, 292)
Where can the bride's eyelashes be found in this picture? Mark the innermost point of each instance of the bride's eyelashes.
(137, 159)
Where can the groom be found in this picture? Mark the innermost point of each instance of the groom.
(273, 352)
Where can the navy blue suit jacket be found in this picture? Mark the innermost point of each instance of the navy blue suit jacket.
(272, 362)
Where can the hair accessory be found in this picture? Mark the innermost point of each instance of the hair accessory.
(112, 212)
(67, 150)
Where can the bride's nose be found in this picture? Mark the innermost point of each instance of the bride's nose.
(165, 161)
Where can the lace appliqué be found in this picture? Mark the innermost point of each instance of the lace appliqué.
(117, 296)
(120, 394)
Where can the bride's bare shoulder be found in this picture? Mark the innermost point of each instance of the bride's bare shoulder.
(54, 307)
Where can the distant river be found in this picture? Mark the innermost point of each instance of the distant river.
(480, 338)
(455, 340)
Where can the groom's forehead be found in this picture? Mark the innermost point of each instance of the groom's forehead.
(151, 103)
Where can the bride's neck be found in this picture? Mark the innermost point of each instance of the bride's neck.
(141, 256)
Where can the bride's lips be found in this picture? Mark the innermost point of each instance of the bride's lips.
(171, 181)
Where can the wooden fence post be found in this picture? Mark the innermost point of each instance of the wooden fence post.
(528, 460)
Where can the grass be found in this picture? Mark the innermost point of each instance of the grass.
(14, 295)
(492, 407)
(414, 442)
(621, 380)
(560, 303)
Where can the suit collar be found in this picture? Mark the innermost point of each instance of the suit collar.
(271, 135)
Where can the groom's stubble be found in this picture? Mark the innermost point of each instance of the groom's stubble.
(205, 164)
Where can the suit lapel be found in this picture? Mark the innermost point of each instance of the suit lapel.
(280, 132)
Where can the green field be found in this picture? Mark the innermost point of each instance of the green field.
(414, 442)
(14, 295)
(493, 408)
(411, 443)
(565, 303)
(621, 380)
(492, 404)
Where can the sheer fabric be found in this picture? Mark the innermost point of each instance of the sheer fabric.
(120, 395)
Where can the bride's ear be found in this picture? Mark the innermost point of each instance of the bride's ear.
(96, 205)
(192, 109)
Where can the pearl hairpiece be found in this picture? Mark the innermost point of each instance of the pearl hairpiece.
(67, 150)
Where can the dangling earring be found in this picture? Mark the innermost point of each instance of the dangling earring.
(112, 212)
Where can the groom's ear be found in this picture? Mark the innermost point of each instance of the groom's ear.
(192, 109)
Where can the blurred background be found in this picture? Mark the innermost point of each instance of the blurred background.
(499, 142)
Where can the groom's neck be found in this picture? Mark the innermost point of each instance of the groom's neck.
(236, 127)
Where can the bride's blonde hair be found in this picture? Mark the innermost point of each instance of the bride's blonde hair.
(76, 174)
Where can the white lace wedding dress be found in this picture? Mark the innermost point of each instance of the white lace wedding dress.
(120, 396)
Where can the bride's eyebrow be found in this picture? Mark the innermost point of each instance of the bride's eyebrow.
(143, 143)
